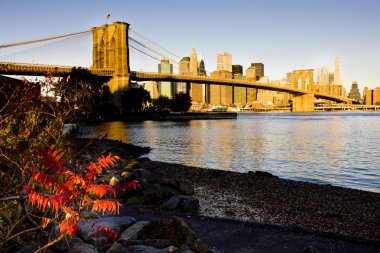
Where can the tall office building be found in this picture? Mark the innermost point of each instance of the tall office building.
(183, 69)
(372, 97)
(201, 68)
(355, 93)
(184, 66)
(166, 88)
(220, 94)
(239, 93)
(322, 75)
(250, 75)
(259, 67)
(224, 61)
(193, 63)
(331, 77)
(196, 90)
(337, 72)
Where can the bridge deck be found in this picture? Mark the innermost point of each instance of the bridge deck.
(10, 68)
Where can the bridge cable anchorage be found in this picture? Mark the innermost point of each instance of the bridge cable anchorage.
(152, 50)
(139, 34)
(42, 40)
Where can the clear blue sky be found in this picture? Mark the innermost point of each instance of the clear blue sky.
(284, 35)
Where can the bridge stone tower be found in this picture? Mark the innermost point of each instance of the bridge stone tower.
(111, 52)
(303, 79)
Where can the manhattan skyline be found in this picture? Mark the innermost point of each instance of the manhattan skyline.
(283, 36)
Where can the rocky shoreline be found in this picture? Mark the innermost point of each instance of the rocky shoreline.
(186, 209)
(264, 198)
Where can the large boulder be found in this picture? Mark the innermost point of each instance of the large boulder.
(132, 233)
(189, 205)
(95, 231)
(148, 249)
(174, 230)
(185, 188)
(117, 248)
(31, 249)
(172, 203)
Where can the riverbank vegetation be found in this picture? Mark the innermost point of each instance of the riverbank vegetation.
(41, 178)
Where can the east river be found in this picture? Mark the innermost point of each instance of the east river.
(340, 149)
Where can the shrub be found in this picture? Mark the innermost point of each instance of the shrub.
(62, 195)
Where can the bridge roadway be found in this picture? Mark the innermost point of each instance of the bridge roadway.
(10, 68)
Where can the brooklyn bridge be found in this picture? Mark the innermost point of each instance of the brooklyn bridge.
(111, 58)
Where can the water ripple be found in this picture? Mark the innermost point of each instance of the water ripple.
(329, 148)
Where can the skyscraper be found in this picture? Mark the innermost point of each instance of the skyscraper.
(259, 67)
(224, 61)
(250, 75)
(354, 92)
(337, 72)
(166, 88)
(322, 75)
(201, 68)
(196, 91)
(194, 63)
(183, 69)
(239, 93)
(184, 66)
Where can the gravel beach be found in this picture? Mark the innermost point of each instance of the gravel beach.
(266, 199)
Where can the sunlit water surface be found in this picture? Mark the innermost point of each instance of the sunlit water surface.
(330, 148)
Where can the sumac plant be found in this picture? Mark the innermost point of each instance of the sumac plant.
(62, 195)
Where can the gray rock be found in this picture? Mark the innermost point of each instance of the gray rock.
(156, 193)
(132, 233)
(185, 249)
(145, 173)
(94, 231)
(148, 249)
(264, 174)
(144, 159)
(189, 205)
(155, 243)
(172, 203)
(117, 248)
(174, 230)
(83, 248)
(310, 249)
(185, 188)
(67, 243)
(31, 249)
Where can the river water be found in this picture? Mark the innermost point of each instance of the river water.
(340, 149)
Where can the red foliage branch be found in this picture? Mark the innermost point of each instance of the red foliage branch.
(68, 189)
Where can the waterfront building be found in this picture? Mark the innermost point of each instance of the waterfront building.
(196, 90)
(239, 93)
(220, 94)
(184, 66)
(166, 88)
(372, 97)
(250, 75)
(224, 61)
(355, 93)
(183, 69)
(259, 67)
(151, 87)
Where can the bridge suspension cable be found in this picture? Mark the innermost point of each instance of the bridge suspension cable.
(42, 40)
(152, 42)
(152, 50)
